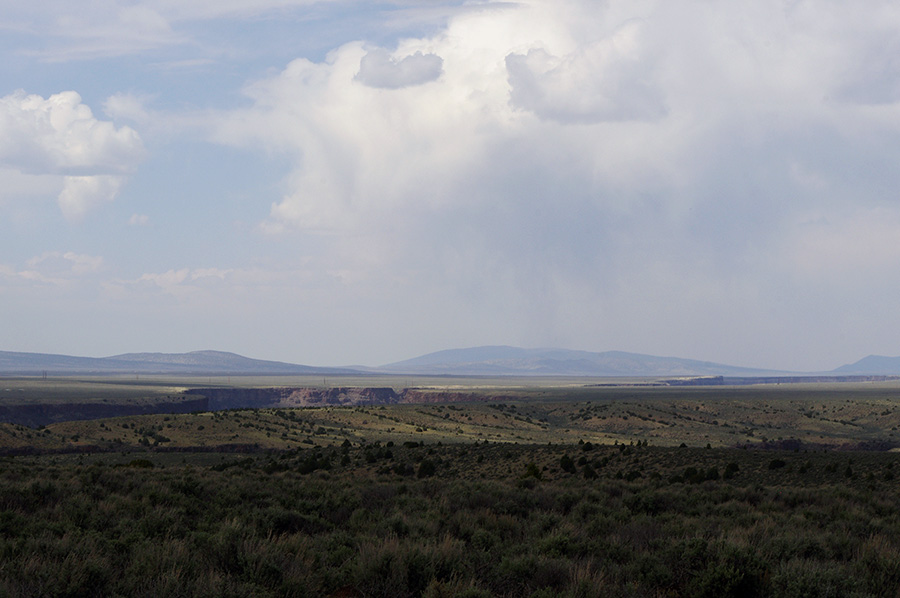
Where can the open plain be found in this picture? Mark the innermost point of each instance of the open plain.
(287, 413)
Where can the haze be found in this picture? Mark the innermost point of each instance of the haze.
(332, 183)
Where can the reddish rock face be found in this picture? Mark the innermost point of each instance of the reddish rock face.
(233, 398)
(302, 397)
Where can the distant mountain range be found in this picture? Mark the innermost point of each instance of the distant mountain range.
(195, 362)
(504, 361)
(477, 361)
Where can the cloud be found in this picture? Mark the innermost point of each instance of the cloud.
(213, 9)
(168, 279)
(608, 80)
(63, 32)
(127, 106)
(59, 137)
(81, 193)
(575, 167)
(139, 220)
(378, 69)
(16, 184)
(875, 79)
(54, 268)
(858, 246)
(69, 261)
(172, 281)
(110, 29)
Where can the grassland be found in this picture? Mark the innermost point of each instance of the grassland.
(108, 390)
(864, 416)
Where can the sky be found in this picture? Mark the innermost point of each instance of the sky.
(342, 182)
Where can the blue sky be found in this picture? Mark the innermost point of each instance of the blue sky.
(347, 182)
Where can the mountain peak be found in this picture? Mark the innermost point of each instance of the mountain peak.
(872, 364)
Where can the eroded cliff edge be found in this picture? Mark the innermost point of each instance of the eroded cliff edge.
(238, 398)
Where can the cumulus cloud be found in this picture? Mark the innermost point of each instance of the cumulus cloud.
(15, 184)
(572, 160)
(59, 137)
(81, 193)
(379, 69)
(611, 79)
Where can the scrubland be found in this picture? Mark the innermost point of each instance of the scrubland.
(846, 417)
(695, 495)
(486, 519)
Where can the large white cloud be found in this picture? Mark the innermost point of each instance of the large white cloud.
(59, 137)
(582, 164)
(683, 177)
(60, 134)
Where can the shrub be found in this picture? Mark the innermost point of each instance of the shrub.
(802, 578)
(735, 572)
(140, 464)
(693, 476)
(427, 468)
(730, 470)
(532, 471)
